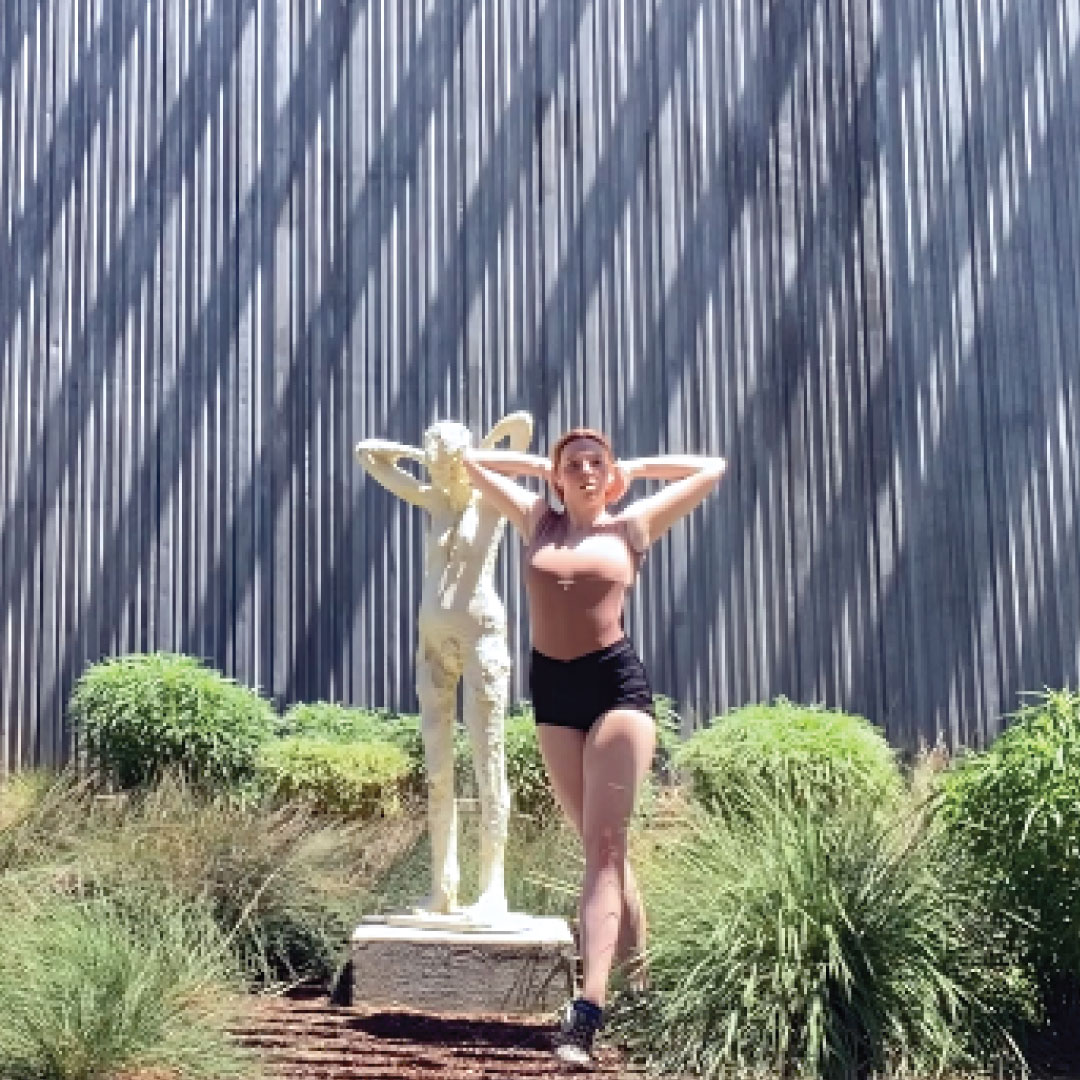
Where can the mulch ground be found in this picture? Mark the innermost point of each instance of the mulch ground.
(305, 1037)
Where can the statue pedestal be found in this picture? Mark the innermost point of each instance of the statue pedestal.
(525, 965)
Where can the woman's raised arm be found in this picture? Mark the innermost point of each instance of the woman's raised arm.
(518, 504)
(692, 477)
(513, 462)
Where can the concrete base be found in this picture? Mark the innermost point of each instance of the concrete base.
(527, 967)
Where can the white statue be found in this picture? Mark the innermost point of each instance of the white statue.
(462, 635)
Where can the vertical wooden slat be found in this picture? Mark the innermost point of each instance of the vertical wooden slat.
(1062, 105)
(7, 370)
(56, 364)
(247, 556)
(14, 373)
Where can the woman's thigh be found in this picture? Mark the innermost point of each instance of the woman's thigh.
(617, 755)
(562, 749)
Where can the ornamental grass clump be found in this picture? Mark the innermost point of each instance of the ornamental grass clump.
(1016, 810)
(96, 986)
(815, 937)
(285, 886)
(806, 751)
(138, 716)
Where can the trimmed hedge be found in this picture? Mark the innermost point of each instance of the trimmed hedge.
(332, 722)
(799, 749)
(141, 715)
(349, 779)
(531, 792)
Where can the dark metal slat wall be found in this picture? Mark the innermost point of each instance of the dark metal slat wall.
(836, 240)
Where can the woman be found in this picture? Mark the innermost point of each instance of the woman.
(590, 693)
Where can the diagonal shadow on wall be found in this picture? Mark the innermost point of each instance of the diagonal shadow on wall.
(419, 93)
(481, 225)
(746, 142)
(988, 397)
(806, 300)
(133, 262)
(61, 171)
(930, 686)
(482, 220)
(127, 274)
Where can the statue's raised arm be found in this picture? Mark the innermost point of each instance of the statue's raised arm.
(380, 457)
(515, 426)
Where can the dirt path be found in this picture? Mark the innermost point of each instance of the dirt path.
(306, 1038)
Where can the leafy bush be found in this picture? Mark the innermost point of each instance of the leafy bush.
(92, 988)
(809, 937)
(351, 779)
(798, 748)
(285, 887)
(1016, 808)
(668, 738)
(530, 790)
(140, 715)
(342, 723)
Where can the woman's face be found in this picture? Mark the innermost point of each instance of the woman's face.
(584, 473)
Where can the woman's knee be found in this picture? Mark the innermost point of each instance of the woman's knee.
(606, 847)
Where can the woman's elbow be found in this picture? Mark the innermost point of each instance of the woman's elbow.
(715, 469)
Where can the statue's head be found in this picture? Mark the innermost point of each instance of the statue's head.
(445, 443)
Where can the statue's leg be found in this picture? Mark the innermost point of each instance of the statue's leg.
(487, 678)
(438, 672)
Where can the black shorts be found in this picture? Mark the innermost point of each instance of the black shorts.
(576, 693)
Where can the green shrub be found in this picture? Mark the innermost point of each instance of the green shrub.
(343, 723)
(1016, 808)
(140, 715)
(668, 738)
(798, 748)
(92, 988)
(530, 790)
(351, 779)
(808, 937)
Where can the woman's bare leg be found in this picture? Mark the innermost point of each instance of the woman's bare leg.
(617, 754)
(633, 929)
(563, 750)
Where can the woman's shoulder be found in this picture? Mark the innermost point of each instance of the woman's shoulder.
(632, 530)
(541, 519)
